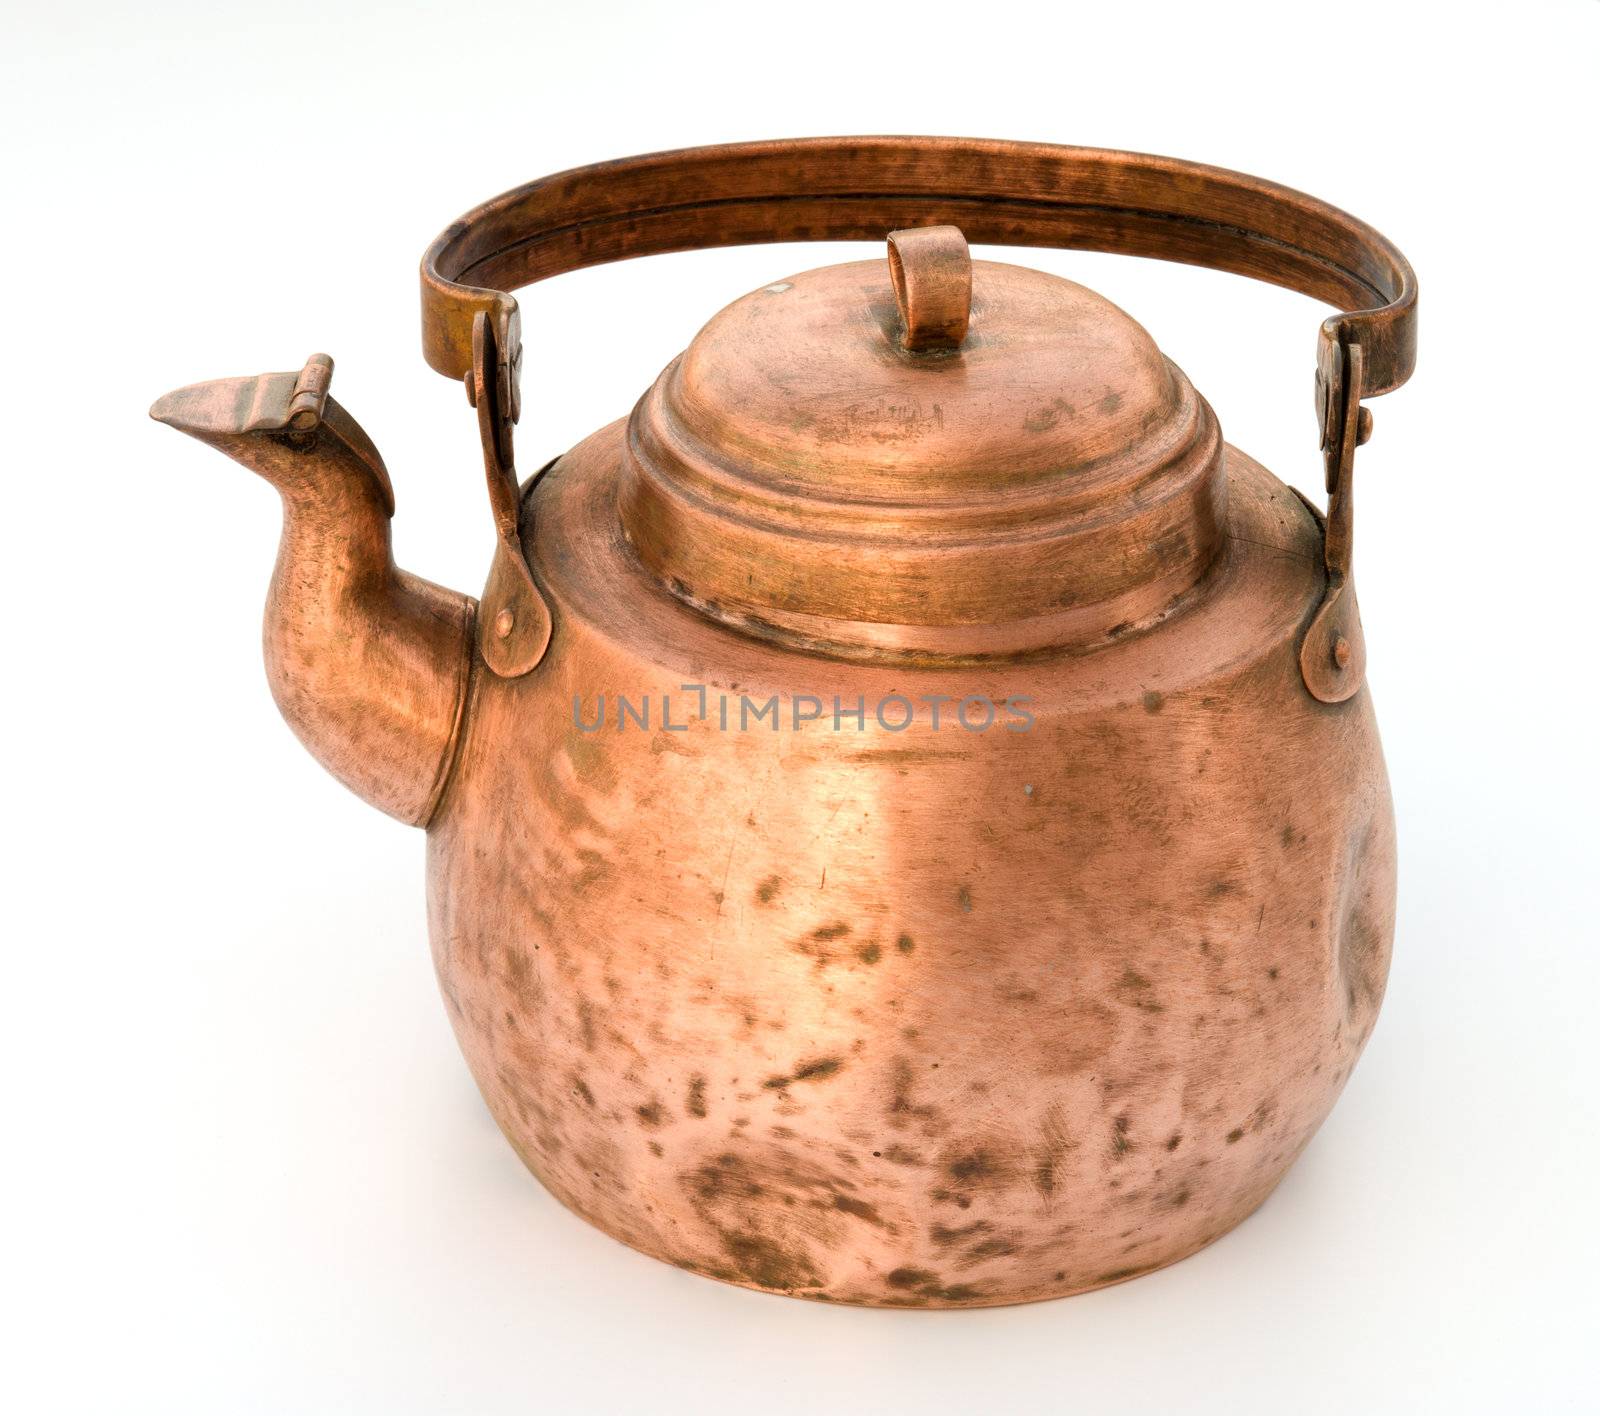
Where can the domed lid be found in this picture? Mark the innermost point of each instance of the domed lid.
(925, 455)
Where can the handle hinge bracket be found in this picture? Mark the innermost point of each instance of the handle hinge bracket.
(513, 617)
(1333, 654)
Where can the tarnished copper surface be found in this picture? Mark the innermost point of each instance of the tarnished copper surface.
(919, 1017)
(906, 826)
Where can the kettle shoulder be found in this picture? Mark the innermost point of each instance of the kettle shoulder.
(609, 611)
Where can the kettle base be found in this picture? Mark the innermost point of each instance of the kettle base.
(903, 1289)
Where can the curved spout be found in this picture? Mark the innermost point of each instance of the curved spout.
(368, 663)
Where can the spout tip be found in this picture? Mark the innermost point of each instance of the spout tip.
(264, 403)
(220, 406)
(165, 409)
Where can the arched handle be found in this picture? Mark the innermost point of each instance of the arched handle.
(998, 193)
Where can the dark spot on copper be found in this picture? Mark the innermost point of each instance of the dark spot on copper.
(927, 1285)
(768, 888)
(582, 1088)
(1174, 1140)
(831, 931)
(817, 1071)
(1047, 415)
(869, 953)
(768, 1265)
(724, 1176)
(696, 1103)
(964, 899)
(972, 1166)
(517, 970)
(991, 1249)
(1134, 990)
(901, 1098)
(904, 944)
(945, 1235)
(652, 1113)
(1152, 702)
(860, 1208)
(1235, 1135)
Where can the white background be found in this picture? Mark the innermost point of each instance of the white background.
(246, 1169)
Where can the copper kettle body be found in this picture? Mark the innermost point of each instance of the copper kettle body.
(906, 822)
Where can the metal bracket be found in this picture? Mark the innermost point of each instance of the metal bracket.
(513, 618)
(1333, 654)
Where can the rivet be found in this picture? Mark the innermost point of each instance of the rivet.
(1341, 651)
(504, 621)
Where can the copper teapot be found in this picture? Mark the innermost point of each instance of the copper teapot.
(905, 823)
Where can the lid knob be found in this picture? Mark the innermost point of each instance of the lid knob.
(932, 273)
